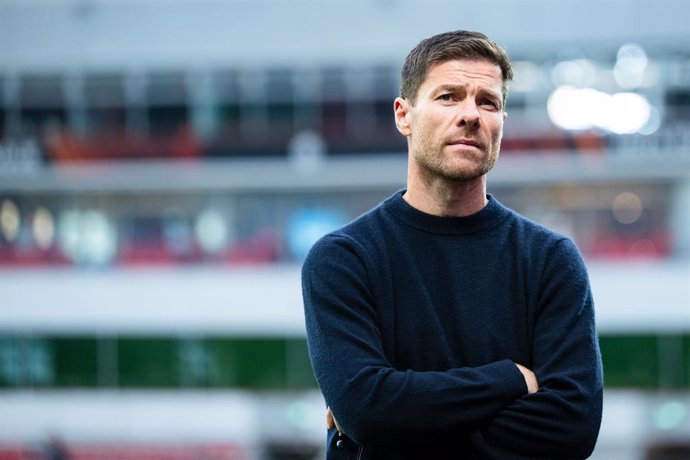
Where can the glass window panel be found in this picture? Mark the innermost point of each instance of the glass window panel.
(630, 361)
(226, 86)
(148, 362)
(104, 90)
(279, 86)
(167, 88)
(76, 361)
(41, 91)
(167, 120)
(250, 363)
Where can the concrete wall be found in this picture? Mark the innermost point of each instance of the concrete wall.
(85, 34)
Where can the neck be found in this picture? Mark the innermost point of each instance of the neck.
(443, 197)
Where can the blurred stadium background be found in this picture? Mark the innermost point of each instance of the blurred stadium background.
(166, 164)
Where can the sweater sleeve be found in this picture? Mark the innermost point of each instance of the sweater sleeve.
(373, 401)
(562, 419)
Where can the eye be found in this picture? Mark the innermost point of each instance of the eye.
(489, 103)
(445, 97)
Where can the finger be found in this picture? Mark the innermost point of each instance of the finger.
(330, 421)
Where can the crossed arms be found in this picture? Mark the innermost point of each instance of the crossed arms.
(498, 404)
(530, 382)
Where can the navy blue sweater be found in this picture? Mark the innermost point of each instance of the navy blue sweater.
(414, 324)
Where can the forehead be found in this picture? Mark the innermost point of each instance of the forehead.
(463, 71)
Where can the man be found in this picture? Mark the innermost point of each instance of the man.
(441, 324)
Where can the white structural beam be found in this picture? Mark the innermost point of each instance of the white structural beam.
(648, 296)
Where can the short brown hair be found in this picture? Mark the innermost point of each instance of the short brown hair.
(461, 44)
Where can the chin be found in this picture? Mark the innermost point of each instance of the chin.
(462, 178)
(468, 172)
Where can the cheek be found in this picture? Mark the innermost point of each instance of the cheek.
(496, 130)
(432, 123)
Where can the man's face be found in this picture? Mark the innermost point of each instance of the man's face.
(455, 125)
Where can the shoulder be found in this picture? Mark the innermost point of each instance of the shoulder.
(543, 243)
(362, 232)
(532, 231)
(556, 266)
(557, 253)
(355, 241)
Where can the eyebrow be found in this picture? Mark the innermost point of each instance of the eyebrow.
(447, 87)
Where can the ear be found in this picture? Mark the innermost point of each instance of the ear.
(505, 115)
(401, 108)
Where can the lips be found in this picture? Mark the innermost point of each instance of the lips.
(468, 142)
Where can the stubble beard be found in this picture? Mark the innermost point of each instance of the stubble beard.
(436, 164)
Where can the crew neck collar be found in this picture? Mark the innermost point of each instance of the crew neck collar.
(487, 217)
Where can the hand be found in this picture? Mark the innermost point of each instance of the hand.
(331, 421)
(530, 379)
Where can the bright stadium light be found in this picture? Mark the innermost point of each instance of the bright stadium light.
(653, 123)
(571, 108)
(98, 238)
(211, 231)
(670, 415)
(628, 113)
(631, 64)
(87, 237)
(583, 108)
(10, 220)
(43, 228)
(627, 208)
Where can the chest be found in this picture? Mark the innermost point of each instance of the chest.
(455, 305)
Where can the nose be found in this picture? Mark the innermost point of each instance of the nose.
(468, 114)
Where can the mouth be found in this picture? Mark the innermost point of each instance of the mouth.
(467, 142)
